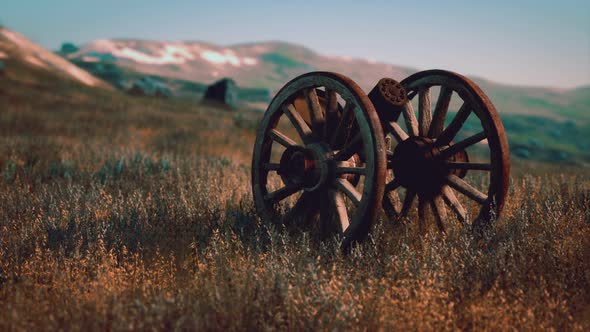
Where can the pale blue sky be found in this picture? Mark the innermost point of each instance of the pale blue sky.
(528, 42)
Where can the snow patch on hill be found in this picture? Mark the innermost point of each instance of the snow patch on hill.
(166, 53)
(227, 56)
(166, 57)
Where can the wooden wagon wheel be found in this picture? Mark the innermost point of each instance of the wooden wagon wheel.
(433, 162)
(319, 158)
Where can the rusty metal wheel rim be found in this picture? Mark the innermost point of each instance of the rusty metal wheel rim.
(320, 168)
(436, 141)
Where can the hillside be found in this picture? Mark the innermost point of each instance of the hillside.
(18, 51)
(271, 64)
(542, 124)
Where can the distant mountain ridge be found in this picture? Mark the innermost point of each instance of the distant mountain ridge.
(261, 65)
(271, 64)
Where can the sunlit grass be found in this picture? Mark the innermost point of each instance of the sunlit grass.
(137, 214)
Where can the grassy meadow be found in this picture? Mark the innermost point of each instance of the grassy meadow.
(120, 213)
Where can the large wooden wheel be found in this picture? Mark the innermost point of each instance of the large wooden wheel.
(319, 159)
(443, 160)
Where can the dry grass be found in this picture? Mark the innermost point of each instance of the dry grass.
(137, 214)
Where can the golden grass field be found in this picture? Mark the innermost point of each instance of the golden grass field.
(120, 213)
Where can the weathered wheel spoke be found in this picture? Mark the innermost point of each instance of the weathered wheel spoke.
(316, 114)
(331, 100)
(392, 205)
(297, 121)
(410, 118)
(388, 147)
(271, 166)
(340, 209)
(331, 111)
(344, 123)
(453, 128)
(393, 185)
(424, 112)
(453, 202)
(466, 189)
(469, 141)
(440, 212)
(440, 111)
(280, 194)
(397, 132)
(349, 170)
(326, 214)
(281, 138)
(349, 190)
(350, 148)
(469, 166)
(305, 208)
(422, 206)
(407, 205)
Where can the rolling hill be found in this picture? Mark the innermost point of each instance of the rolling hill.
(17, 51)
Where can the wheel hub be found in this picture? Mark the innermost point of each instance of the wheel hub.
(307, 166)
(418, 167)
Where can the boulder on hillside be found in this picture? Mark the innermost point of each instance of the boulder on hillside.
(106, 71)
(147, 86)
(68, 48)
(224, 91)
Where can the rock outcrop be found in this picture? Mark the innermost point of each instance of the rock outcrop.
(147, 86)
(68, 48)
(224, 91)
